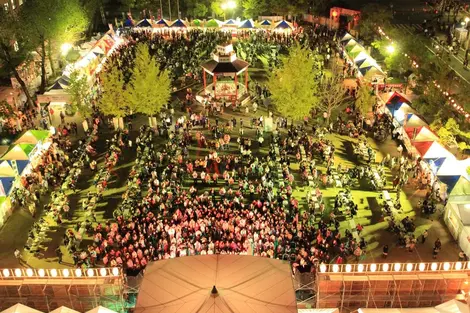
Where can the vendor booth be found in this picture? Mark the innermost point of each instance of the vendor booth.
(247, 24)
(432, 150)
(413, 120)
(265, 24)
(435, 164)
(162, 23)
(19, 151)
(421, 133)
(179, 23)
(196, 23)
(283, 26)
(144, 23)
(6, 170)
(33, 137)
(213, 23)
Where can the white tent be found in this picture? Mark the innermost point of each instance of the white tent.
(347, 37)
(218, 284)
(454, 167)
(432, 150)
(453, 306)
(64, 309)
(20, 308)
(361, 56)
(318, 311)
(101, 309)
(413, 120)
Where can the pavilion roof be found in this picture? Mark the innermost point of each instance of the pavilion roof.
(214, 67)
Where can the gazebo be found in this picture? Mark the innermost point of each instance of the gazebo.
(224, 64)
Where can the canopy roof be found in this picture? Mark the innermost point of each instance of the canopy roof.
(435, 164)
(33, 136)
(19, 151)
(214, 67)
(283, 25)
(432, 150)
(60, 83)
(144, 23)
(179, 23)
(101, 309)
(230, 22)
(368, 62)
(6, 184)
(347, 37)
(163, 23)
(371, 70)
(6, 170)
(461, 188)
(454, 167)
(218, 284)
(20, 308)
(266, 23)
(247, 24)
(413, 120)
(196, 22)
(357, 48)
(421, 133)
(351, 42)
(393, 97)
(213, 23)
(453, 306)
(128, 23)
(361, 56)
(64, 309)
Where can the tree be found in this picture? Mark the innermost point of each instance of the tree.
(200, 10)
(149, 87)
(364, 99)
(253, 8)
(15, 49)
(114, 98)
(79, 93)
(294, 84)
(50, 23)
(372, 16)
(332, 93)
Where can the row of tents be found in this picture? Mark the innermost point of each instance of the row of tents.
(367, 66)
(448, 169)
(21, 308)
(212, 23)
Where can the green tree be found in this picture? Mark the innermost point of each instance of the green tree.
(373, 16)
(294, 85)
(15, 48)
(50, 23)
(200, 10)
(332, 92)
(114, 98)
(149, 88)
(364, 99)
(78, 90)
(253, 8)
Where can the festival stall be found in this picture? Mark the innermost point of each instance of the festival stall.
(247, 24)
(421, 133)
(20, 308)
(101, 309)
(19, 151)
(265, 24)
(283, 26)
(145, 23)
(213, 23)
(432, 150)
(162, 23)
(413, 120)
(435, 164)
(33, 137)
(179, 23)
(457, 213)
(64, 309)
(196, 23)
(6, 170)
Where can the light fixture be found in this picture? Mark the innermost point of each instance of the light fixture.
(446, 266)
(335, 268)
(90, 272)
(322, 269)
(29, 272)
(18, 272)
(390, 49)
(373, 267)
(6, 273)
(360, 268)
(409, 267)
(458, 266)
(53, 272)
(116, 270)
(397, 267)
(348, 268)
(385, 267)
(65, 48)
(65, 272)
(41, 272)
(434, 266)
(103, 272)
(78, 272)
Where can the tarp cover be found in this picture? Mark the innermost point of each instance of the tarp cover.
(453, 306)
(413, 120)
(244, 284)
(247, 24)
(6, 170)
(266, 23)
(6, 183)
(461, 188)
(283, 25)
(144, 23)
(64, 309)
(179, 23)
(454, 167)
(163, 23)
(33, 136)
(101, 309)
(18, 152)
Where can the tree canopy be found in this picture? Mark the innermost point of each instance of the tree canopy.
(149, 87)
(332, 92)
(372, 16)
(78, 90)
(365, 99)
(114, 98)
(294, 85)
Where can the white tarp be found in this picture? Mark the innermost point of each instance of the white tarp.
(20, 308)
(101, 309)
(64, 309)
(244, 284)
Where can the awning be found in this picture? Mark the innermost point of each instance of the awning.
(421, 133)
(432, 150)
(33, 136)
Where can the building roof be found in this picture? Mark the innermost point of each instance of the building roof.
(215, 67)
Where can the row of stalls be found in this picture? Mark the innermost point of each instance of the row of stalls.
(92, 56)
(21, 308)
(230, 24)
(453, 177)
(359, 58)
(21, 157)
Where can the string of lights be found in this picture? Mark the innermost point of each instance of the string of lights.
(450, 99)
(395, 267)
(59, 273)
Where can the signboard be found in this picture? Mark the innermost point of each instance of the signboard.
(46, 98)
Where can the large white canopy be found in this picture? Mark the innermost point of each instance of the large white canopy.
(20, 308)
(64, 309)
(101, 309)
(243, 284)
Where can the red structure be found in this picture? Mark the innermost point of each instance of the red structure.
(225, 64)
(337, 12)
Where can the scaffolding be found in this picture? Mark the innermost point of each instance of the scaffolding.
(350, 287)
(46, 290)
